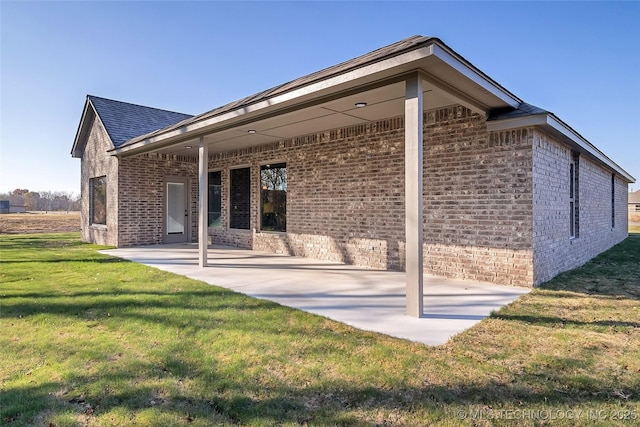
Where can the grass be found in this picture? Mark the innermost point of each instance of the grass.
(91, 340)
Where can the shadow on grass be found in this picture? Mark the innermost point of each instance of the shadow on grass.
(560, 322)
(111, 260)
(219, 396)
(237, 402)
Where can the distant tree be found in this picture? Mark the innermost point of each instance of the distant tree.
(43, 200)
(31, 200)
(16, 198)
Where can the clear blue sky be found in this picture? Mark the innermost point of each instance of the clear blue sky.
(580, 60)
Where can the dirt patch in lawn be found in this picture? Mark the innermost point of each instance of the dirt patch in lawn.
(39, 222)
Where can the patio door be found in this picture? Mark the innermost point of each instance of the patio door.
(176, 224)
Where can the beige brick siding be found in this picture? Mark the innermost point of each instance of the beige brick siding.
(345, 197)
(142, 196)
(96, 162)
(496, 203)
(554, 251)
(477, 188)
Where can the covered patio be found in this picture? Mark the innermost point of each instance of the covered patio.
(401, 80)
(373, 300)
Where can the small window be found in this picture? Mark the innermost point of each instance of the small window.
(240, 198)
(215, 199)
(613, 201)
(98, 200)
(574, 192)
(273, 197)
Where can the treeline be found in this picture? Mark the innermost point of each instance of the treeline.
(43, 200)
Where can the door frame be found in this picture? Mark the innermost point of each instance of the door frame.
(186, 236)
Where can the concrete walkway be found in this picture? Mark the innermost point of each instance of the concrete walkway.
(372, 300)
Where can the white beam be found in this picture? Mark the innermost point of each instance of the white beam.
(413, 110)
(203, 156)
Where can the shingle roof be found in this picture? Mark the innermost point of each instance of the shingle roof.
(368, 58)
(124, 121)
(522, 111)
(634, 197)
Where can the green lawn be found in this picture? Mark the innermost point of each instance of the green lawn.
(91, 340)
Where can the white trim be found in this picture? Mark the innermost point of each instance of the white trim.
(473, 74)
(203, 226)
(400, 61)
(515, 123)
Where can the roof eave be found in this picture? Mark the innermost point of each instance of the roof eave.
(76, 151)
(552, 124)
(334, 83)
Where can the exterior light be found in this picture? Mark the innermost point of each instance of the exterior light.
(188, 146)
(361, 104)
(251, 131)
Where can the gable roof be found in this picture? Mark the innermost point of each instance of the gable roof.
(122, 120)
(386, 52)
(634, 197)
(441, 67)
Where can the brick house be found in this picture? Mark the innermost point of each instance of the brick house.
(408, 157)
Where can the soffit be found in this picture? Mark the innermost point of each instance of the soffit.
(329, 104)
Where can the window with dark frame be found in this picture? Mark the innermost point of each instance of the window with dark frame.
(574, 191)
(273, 197)
(214, 209)
(613, 200)
(98, 200)
(240, 198)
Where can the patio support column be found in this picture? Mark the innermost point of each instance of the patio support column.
(413, 110)
(203, 203)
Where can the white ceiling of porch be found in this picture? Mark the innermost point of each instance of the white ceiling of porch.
(383, 102)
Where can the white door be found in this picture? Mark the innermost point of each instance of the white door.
(176, 211)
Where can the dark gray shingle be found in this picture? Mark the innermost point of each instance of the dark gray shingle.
(522, 111)
(124, 121)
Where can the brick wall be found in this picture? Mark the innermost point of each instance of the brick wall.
(96, 162)
(477, 199)
(141, 196)
(345, 197)
(494, 202)
(554, 250)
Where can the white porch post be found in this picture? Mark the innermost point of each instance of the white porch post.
(203, 156)
(413, 110)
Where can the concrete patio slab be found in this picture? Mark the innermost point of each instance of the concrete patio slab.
(373, 300)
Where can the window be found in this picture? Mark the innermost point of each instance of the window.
(613, 200)
(273, 197)
(240, 209)
(98, 200)
(574, 191)
(215, 199)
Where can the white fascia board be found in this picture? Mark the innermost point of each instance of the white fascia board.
(474, 75)
(517, 122)
(280, 99)
(74, 148)
(550, 122)
(559, 126)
